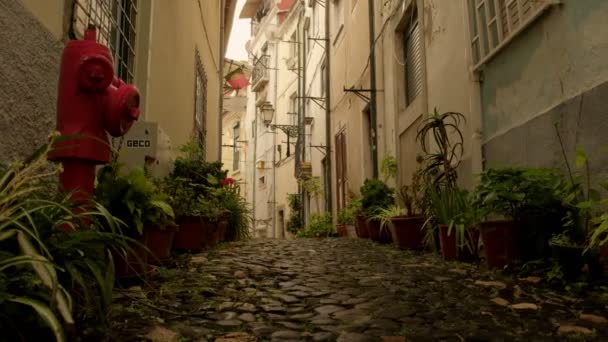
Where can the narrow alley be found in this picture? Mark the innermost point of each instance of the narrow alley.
(346, 290)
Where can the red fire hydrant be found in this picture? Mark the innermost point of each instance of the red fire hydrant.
(91, 102)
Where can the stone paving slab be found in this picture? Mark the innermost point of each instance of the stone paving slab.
(348, 290)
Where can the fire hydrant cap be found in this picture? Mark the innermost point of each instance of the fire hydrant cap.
(95, 72)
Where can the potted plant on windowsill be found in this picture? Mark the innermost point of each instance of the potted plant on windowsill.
(376, 195)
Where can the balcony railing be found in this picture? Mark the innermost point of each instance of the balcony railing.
(259, 76)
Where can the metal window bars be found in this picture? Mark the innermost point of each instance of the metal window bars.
(116, 24)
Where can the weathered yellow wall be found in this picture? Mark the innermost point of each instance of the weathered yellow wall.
(49, 13)
(177, 31)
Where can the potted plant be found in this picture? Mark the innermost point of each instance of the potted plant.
(386, 218)
(376, 195)
(345, 219)
(522, 208)
(406, 230)
(320, 226)
(458, 233)
(131, 198)
(585, 222)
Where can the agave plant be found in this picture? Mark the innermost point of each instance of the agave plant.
(443, 156)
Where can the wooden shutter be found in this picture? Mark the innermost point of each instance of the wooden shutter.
(413, 62)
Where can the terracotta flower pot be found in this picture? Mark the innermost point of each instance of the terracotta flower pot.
(498, 237)
(223, 229)
(133, 263)
(190, 234)
(341, 230)
(361, 227)
(210, 233)
(351, 231)
(159, 242)
(449, 249)
(377, 233)
(407, 233)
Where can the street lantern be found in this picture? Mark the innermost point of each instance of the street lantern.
(267, 112)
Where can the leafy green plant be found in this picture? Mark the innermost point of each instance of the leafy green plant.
(452, 207)
(412, 195)
(133, 198)
(375, 194)
(294, 224)
(194, 171)
(39, 261)
(231, 205)
(442, 154)
(533, 197)
(389, 168)
(312, 186)
(319, 226)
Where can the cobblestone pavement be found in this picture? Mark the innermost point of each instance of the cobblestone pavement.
(347, 290)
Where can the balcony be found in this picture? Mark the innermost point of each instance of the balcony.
(259, 76)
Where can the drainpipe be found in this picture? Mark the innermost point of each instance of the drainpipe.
(301, 129)
(220, 72)
(255, 169)
(328, 182)
(372, 75)
(274, 143)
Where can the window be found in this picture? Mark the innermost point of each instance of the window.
(293, 109)
(253, 128)
(315, 19)
(200, 105)
(293, 46)
(116, 27)
(413, 58)
(337, 17)
(235, 149)
(493, 23)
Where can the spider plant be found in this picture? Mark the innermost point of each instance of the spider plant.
(450, 207)
(385, 215)
(33, 293)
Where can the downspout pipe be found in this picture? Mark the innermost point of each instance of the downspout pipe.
(372, 75)
(221, 75)
(301, 129)
(328, 182)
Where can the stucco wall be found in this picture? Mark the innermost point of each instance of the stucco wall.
(540, 80)
(560, 56)
(177, 31)
(28, 81)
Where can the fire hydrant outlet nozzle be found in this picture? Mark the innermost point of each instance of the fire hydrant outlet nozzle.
(123, 109)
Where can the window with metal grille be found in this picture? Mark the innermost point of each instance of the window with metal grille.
(235, 148)
(200, 105)
(116, 25)
(413, 58)
(494, 23)
(293, 109)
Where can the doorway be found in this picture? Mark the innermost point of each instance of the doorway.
(281, 224)
(341, 169)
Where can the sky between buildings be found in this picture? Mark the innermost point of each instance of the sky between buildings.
(239, 35)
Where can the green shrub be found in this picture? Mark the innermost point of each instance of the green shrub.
(319, 226)
(294, 224)
(375, 194)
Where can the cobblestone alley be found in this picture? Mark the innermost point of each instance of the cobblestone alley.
(346, 290)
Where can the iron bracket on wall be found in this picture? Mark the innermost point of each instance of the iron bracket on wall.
(320, 148)
(290, 130)
(319, 101)
(360, 92)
